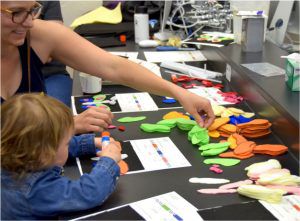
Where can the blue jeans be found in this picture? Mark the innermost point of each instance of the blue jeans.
(59, 86)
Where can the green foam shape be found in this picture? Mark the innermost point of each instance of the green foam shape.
(214, 146)
(99, 97)
(155, 128)
(224, 162)
(131, 119)
(185, 124)
(168, 122)
(213, 152)
(198, 135)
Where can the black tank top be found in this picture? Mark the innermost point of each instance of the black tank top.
(37, 79)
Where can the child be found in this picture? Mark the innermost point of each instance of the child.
(35, 132)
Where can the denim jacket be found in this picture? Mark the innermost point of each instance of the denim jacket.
(45, 194)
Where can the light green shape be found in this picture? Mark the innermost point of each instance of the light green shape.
(214, 146)
(224, 162)
(155, 128)
(168, 122)
(103, 105)
(99, 97)
(198, 135)
(131, 119)
(185, 124)
(213, 152)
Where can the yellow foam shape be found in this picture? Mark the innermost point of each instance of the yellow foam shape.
(100, 15)
(218, 110)
(175, 114)
(232, 142)
(214, 134)
(236, 110)
(248, 114)
(261, 193)
(226, 113)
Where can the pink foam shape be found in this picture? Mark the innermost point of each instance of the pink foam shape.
(235, 184)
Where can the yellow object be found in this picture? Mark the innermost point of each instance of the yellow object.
(232, 142)
(100, 15)
(261, 193)
(248, 114)
(175, 114)
(174, 41)
(226, 113)
(236, 110)
(218, 110)
(214, 134)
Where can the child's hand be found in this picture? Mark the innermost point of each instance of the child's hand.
(112, 150)
(98, 142)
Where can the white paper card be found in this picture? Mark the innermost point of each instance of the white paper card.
(179, 56)
(134, 102)
(288, 209)
(211, 94)
(159, 153)
(169, 206)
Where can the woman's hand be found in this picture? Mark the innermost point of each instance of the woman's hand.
(95, 119)
(199, 107)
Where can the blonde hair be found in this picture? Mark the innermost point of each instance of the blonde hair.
(32, 128)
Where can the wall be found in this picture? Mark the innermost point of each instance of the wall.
(250, 5)
(74, 9)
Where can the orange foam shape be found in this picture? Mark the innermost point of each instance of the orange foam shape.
(123, 167)
(239, 138)
(244, 148)
(270, 149)
(228, 128)
(218, 123)
(175, 114)
(255, 122)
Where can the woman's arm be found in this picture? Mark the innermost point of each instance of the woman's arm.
(68, 47)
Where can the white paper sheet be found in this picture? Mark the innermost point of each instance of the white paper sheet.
(159, 153)
(125, 54)
(169, 206)
(179, 56)
(288, 209)
(134, 102)
(211, 94)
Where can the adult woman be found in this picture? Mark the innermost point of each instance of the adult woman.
(50, 40)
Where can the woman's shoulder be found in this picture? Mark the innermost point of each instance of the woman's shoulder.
(44, 36)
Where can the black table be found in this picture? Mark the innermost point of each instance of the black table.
(135, 187)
